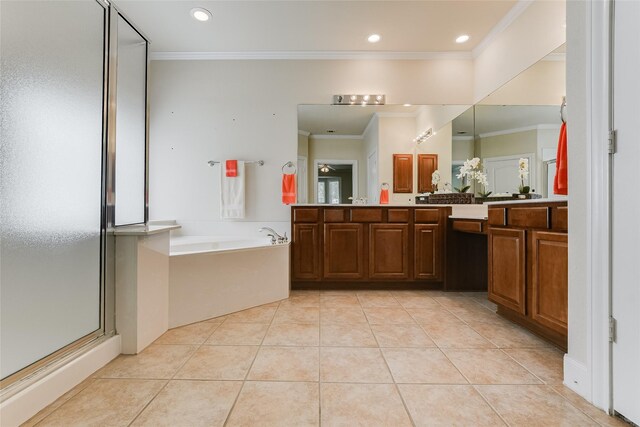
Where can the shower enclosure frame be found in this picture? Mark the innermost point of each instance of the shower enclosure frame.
(39, 369)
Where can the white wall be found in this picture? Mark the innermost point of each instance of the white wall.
(217, 110)
(531, 36)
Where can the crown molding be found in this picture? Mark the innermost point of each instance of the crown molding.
(359, 137)
(502, 25)
(396, 114)
(308, 55)
(462, 138)
(518, 130)
(304, 133)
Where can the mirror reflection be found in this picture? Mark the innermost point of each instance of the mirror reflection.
(346, 154)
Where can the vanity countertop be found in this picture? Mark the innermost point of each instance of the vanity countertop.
(143, 230)
(460, 211)
(559, 199)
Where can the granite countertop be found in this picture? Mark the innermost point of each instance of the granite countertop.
(561, 199)
(143, 230)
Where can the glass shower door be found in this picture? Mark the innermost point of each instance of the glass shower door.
(51, 168)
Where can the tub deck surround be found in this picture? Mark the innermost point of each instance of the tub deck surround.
(210, 277)
(142, 284)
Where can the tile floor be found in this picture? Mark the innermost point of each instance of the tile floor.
(341, 358)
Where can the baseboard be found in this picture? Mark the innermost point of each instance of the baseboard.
(25, 404)
(576, 377)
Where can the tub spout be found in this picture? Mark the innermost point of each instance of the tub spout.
(275, 237)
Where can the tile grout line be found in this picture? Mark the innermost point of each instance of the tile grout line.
(393, 379)
(574, 406)
(246, 375)
(482, 396)
(198, 346)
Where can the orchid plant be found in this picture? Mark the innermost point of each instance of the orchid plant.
(472, 169)
(435, 179)
(523, 171)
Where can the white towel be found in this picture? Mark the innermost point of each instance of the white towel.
(232, 193)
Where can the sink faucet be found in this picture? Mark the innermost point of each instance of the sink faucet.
(275, 237)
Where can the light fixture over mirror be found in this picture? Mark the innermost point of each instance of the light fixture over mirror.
(377, 99)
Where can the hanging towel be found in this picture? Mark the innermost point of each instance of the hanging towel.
(560, 182)
(232, 193)
(232, 168)
(384, 196)
(288, 189)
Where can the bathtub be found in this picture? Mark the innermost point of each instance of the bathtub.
(214, 276)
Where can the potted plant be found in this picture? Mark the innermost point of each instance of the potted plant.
(523, 171)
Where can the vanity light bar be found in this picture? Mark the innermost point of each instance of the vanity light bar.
(358, 99)
(423, 136)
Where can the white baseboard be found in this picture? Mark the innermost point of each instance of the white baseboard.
(23, 405)
(576, 377)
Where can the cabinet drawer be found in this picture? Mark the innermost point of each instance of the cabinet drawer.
(366, 215)
(334, 215)
(427, 215)
(305, 215)
(497, 216)
(398, 215)
(559, 218)
(528, 217)
(468, 226)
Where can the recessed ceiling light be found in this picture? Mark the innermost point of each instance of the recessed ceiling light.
(406, 105)
(374, 38)
(463, 38)
(200, 14)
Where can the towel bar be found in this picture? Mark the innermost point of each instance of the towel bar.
(259, 162)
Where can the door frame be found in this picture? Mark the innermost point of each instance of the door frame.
(532, 170)
(354, 174)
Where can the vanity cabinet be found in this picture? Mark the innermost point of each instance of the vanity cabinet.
(528, 266)
(368, 244)
(427, 165)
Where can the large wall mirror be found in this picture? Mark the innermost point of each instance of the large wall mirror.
(346, 153)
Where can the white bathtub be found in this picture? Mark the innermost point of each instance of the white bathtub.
(214, 276)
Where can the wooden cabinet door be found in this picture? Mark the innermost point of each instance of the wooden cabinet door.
(343, 251)
(428, 250)
(507, 268)
(427, 165)
(549, 280)
(403, 173)
(389, 251)
(306, 252)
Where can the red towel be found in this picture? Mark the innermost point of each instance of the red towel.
(560, 182)
(288, 189)
(231, 167)
(384, 196)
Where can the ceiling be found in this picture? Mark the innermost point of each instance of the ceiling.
(343, 119)
(495, 118)
(315, 26)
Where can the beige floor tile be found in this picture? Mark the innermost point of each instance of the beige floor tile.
(362, 405)
(286, 364)
(433, 315)
(196, 333)
(303, 299)
(347, 314)
(353, 365)
(218, 319)
(219, 363)
(545, 363)
(377, 299)
(417, 301)
(58, 402)
(238, 334)
(477, 313)
(113, 402)
(448, 405)
(489, 366)
(532, 405)
(347, 335)
(339, 300)
(455, 336)
(508, 336)
(276, 404)
(457, 301)
(260, 314)
(421, 366)
(297, 314)
(382, 316)
(485, 302)
(596, 414)
(154, 362)
(405, 335)
(297, 334)
(191, 403)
